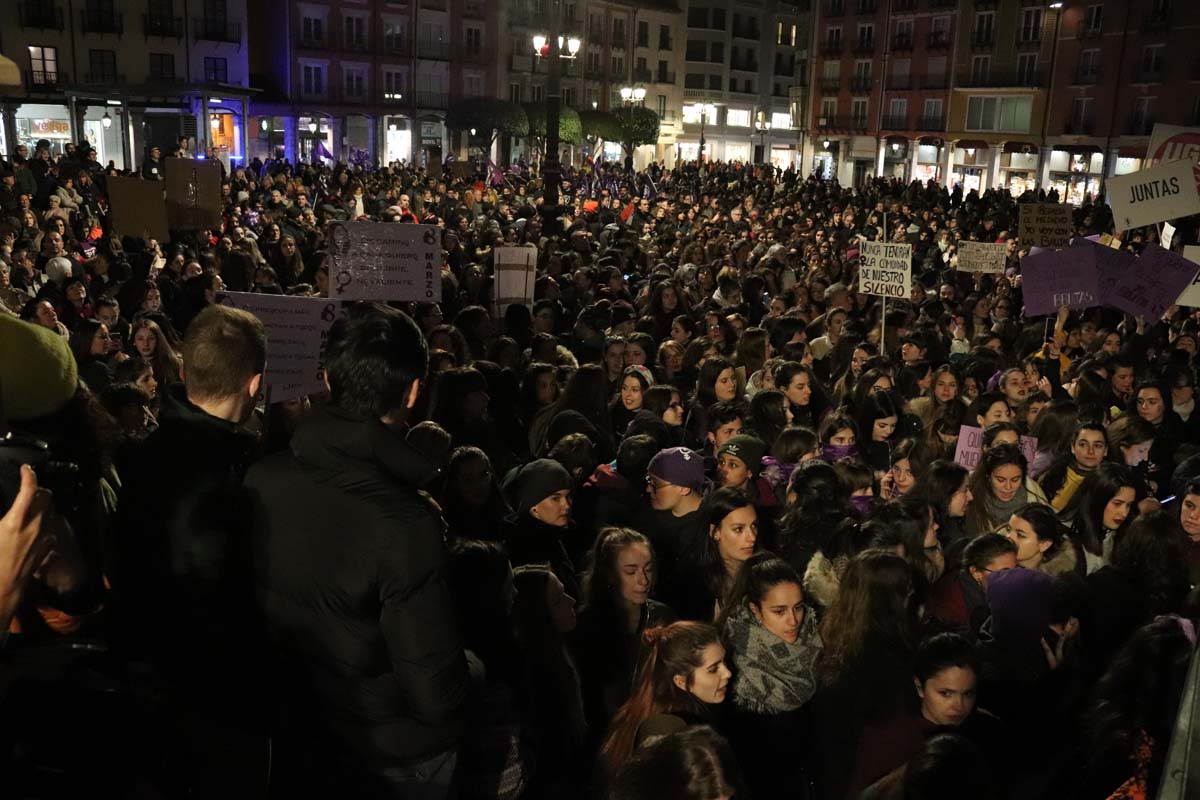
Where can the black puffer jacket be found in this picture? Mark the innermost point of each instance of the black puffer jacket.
(352, 577)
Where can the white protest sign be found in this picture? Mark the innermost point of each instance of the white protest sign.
(386, 261)
(1191, 295)
(516, 274)
(970, 447)
(296, 329)
(885, 270)
(981, 256)
(1154, 195)
(1045, 224)
(1168, 233)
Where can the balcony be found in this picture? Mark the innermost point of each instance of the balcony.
(402, 47)
(902, 42)
(850, 123)
(938, 40)
(352, 45)
(836, 8)
(831, 47)
(983, 39)
(867, 6)
(315, 44)
(897, 123)
(434, 5)
(943, 3)
(102, 22)
(933, 82)
(1086, 32)
(1139, 126)
(102, 78)
(785, 67)
(864, 47)
(472, 56)
(641, 75)
(861, 84)
(997, 79)
(1155, 21)
(665, 44)
(1026, 38)
(166, 27)
(900, 83)
(39, 81)
(904, 5)
(831, 85)
(42, 15)
(745, 32)
(743, 65)
(435, 51)
(1148, 75)
(1079, 127)
(1086, 77)
(216, 30)
(664, 77)
(932, 123)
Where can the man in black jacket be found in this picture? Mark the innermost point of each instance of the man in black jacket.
(352, 578)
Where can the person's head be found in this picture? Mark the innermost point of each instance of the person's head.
(796, 381)
(999, 433)
(139, 373)
(949, 766)
(990, 408)
(1037, 533)
(725, 419)
(772, 591)
(1120, 375)
(732, 526)
(946, 674)
(906, 461)
(717, 382)
(375, 363)
(88, 341)
(872, 603)
(696, 763)
(469, 477)
(945, 384)
(1000, 473)
(839, 437)
(1153, 551)
(621, 574)
(1150, 401)
(988, 553)
(225, 354)
(41, 312)
(1181, 381)
(1014, 385)
(796, 445)
(1129, 439)
(635, 381)
(665, 403)
(542, 490)
(675, 479)
(1104, 503)
(542, 610)
(1188, 503)
(877, 417)
(739, 460)
(108, 311)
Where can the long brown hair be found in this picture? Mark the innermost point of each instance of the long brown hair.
(676, 649)
(872, 604)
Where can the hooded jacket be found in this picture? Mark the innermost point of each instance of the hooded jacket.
(352, 579)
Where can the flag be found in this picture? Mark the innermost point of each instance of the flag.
(627, 212)
(320, 150)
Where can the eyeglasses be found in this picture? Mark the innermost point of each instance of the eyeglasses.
(655, 485)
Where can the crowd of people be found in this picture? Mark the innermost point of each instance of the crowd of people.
(695, 523)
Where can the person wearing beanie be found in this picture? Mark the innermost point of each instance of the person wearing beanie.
(38, 374)
(672, 520)
(540, 492)
(739, 464)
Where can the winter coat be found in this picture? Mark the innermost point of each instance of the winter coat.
(823, 577)
(352, 578)
(531, 541)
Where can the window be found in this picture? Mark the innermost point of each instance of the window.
(312, 29)
(354, 29)
(779, 33)
(664, 37)
(618, 65)
(862, 70)
(1027, 69)
(394, 84)
(792, 40)
(738, 117)
(691, 117)
(473, 86)
(102, 65)
(640, 65)
(568, 95)
(355, 82)
(981, 70)
(43, 65)
(858, 111)
(714, 82)
(828, 108)
(313, 79)
(904, 30)
(697, 17)
(718, 53)
(781, 120)
(866, 35)
(664, 70)
(935, 72)
(1152, 60)
(1031, 24)
(985, 26)
(999, 114)
(595, 27)
(941, 26)
(901, 68)
(932, 112)
(831, 70)
(718, 19)
(660, 106)
(216, 70)
(1093, 18)
(473, 39)
(395, 36)
(162, 66)
(643, 33)
(1143, 114)
(697, 50)
(536, 93)
(618, 32)
(898, 108)
(1089, 65)
(1081, 114)
(216, 10)
(514, 92)
(593, 61)
(833, 35)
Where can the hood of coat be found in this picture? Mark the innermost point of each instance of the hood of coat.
(823, 577)
(333, 447)
(607, 478)
(1064, 562)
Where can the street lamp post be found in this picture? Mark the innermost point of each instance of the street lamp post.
(551, 47)
(702, 110)
(631, 96)
(763, 126)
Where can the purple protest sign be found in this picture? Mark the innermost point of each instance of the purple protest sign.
(970, 445)
(1052, 279)
(1154, 283)
(1111, 265)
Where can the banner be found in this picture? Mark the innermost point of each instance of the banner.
(386, 261)
(1154, 283)
(137, 207)
(193, 194)
(1046, 224)
(981, 256)
(885, 270)
(516, 274)
(970, 447)
(1191, 295)
(296, 331)
(1158, 194)
(1174, 143)
(1052, 279)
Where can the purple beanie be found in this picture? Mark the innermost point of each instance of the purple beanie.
(1022, 602)
(680, 466)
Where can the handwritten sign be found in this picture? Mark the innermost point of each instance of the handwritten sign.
(1191, 295)
(981, 256)
(1154, 283)
(516, 273)
(1046, 224)
(296, 331)
(970, 446)
(1160, 193)
(1168, 234)
(885, 270)
(193, 194)
(1111, 265)
(137, 206)
(1052, 279)
(386, 261)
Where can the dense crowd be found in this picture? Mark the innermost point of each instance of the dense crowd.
(695, 523)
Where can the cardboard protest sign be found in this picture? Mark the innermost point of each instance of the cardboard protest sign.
(1154, 283)
(1154, 195)
(1174, 143)
(136, 206)
(981, 256)
(1190, 296)
(885, 270)
(970, 447)
(193, 194)
(1052, 279)
(296, 331)
(1046, 224)
(386, 261)
(1168, 233)
(516, 273)
(1111, 264)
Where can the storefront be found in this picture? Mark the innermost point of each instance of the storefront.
(783, 156)
(38, 121)
(397, 140)
(929, 160)
(969, 165)
(1019, 167)
(224, 133)
(313, 138)
(825, 160)
(739, 152)
(432, 130)
(1129, 159)
(268, 139)
(895, 158)
(1076, 172)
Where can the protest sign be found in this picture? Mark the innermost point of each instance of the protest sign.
(1046, 224)
(138, 206)
(1174, 143)
(516, 273)
(1052, 279)
(193, 194)
(1168, 233)
(296, 330)
(1191, 295)
(1111, 264)
(1160, 193)
(386, 261)
(970, 447)
(981, 256)
(1153, 284)
(885, 270)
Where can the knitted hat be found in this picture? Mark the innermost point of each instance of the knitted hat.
(679, 466)
(37, 371)
(1022, 603)
(750, 449)
(539, 479)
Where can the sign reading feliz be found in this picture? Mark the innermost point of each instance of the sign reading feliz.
(885, 269)
(1154, 195)
(386, 261)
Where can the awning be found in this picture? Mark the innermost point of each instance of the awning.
(1020, 147)
(10, 76)
(971, 144)
(931, 141)
(1078, 149)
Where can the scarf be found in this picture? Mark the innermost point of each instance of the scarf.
(771, 675)
(1185, 410)
(997, 510)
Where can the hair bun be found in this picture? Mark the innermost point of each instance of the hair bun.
(653, 636)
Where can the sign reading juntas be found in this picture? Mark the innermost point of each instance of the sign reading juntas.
(516, 274)
(1154, 283)
(1045, 224)
(1154, 195)
(885, 270)
(386, 261)
(1052, 279)
(981, 256)
(137, 206)
(296, 331)
(970, 447)
(1191, 295)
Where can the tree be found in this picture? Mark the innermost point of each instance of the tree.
(600, 125)
(488, 115)
(570, 129)
(639, 125)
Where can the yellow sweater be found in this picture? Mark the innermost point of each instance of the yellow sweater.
(1071, 483)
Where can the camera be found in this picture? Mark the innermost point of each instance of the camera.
(60, 477)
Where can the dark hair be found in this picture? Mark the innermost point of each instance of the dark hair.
(223, 349)
(943, 651)
(372, 360)
(1086, 509)
(875, 406)
(723, 412)
(694, 764)
(81, 340)
(949, 766)
(706, 393)
(822, 502)
(1054, 427)
(529, 382)
(981, 404)
(792, 443)
(602, 581)
(872, 605)
(767, 417)
(980, 482)
(938, 483)
(986, 548)
(717, 505)
(657, 399)
(1153, 550)
(634, 455)
(1046, 526)
(760, 573)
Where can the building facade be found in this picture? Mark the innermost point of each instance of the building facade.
(126, 75)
